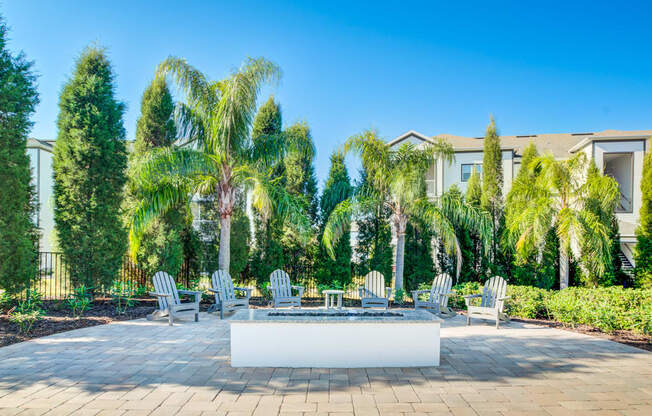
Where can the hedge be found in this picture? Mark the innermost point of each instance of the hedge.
(606, 308)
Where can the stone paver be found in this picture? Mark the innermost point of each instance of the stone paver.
(148, 368)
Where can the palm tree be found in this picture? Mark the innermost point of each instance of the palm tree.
(218, 158)
(556, 199)
(396, 181)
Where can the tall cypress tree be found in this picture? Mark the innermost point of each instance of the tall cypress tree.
(90, 159)
(419, 261)
(492, 190)
(268, 232)
(643, 250)
(300, 182)
(474, 189)
(337, 189)
(299, 170)
(473, 197)
(162, 247)
(18, 233)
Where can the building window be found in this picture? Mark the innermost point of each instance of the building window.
(467, 168)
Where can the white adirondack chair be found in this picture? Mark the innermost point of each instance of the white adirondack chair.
(374, 293)
(438, 296)
(281, 289)
(225, 298)
(492, 303)
(169, 303)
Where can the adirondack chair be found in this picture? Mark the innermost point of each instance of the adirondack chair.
(492, 303)
(281, 289)
(169, 303)
(374, 293)
(438, 296)
(224, 291)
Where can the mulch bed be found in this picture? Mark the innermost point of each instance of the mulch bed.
(59, 319)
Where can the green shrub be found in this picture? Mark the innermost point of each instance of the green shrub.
(25, 319)
(461, 290)
(606, 308)
(122, 295)
(527, 302)
(27, 312)
(79, 300)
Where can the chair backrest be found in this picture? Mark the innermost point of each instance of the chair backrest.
(441, 284)
(374, 284)
(281, 286)
(494, 288)
(222, 281)
(164, 283)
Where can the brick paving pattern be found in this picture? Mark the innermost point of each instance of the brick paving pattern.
(147, 368)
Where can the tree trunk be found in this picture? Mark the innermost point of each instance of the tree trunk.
(224, 258)
(563, 269)
(400, 256)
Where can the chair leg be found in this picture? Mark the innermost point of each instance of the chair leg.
(222, 311)
(497, 322)
(468, 319)
(170, 319)
(196, 316)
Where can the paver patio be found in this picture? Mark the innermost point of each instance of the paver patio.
(147, 368)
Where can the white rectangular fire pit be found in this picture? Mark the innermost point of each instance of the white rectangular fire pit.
(334, 339)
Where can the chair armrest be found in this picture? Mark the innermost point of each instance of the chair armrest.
(247, 291)
(416, 293)
(472, 296)
(467, 299)
(160, 295)
(300, 289)
(504, 298)
(195, 293)
(190, 292)
(210, 289)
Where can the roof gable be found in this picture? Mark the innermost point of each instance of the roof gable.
(411, 137)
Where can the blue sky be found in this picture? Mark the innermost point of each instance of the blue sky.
(436, 68)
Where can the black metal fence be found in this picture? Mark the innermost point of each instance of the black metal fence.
(54, 282)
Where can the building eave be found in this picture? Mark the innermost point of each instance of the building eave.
(588, 140)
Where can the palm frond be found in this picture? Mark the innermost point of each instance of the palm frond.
(174, 165)
(190, 125)
(154, 203)
(269, 197)
(189, 80)
(237, 105)
(338, 223)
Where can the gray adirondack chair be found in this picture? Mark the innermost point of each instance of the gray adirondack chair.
(281, 289)
(225, 298)
(437, 296)
(492, 303)
(374, 293)
(169, 303)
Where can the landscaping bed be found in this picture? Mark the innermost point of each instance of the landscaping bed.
(57, 318)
